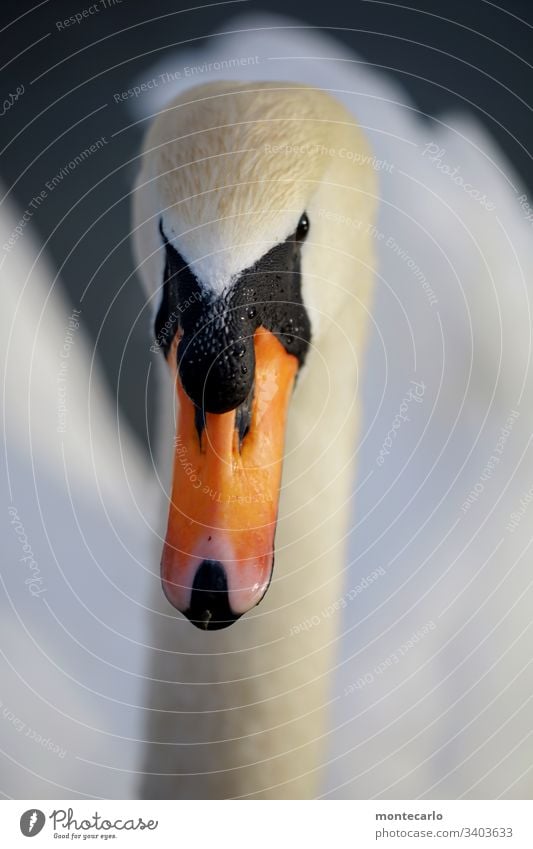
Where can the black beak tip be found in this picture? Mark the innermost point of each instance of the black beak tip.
(209, 609)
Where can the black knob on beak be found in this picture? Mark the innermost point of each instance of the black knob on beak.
(216, 369)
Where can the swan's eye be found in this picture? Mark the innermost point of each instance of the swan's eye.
(303, 227)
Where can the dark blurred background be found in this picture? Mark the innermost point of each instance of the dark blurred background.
(473, 56)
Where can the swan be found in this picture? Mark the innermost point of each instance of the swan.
(403, 668)
(240, 216)
(267, 714)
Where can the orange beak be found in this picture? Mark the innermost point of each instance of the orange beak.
(219, 549)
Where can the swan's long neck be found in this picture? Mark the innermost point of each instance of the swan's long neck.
(246, 708)
(243, 711)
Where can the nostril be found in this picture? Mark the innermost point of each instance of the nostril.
(209, 608)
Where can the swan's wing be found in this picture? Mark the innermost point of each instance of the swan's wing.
(444, 711)
(75, 534)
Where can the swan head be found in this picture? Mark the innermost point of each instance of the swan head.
(234, 205)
